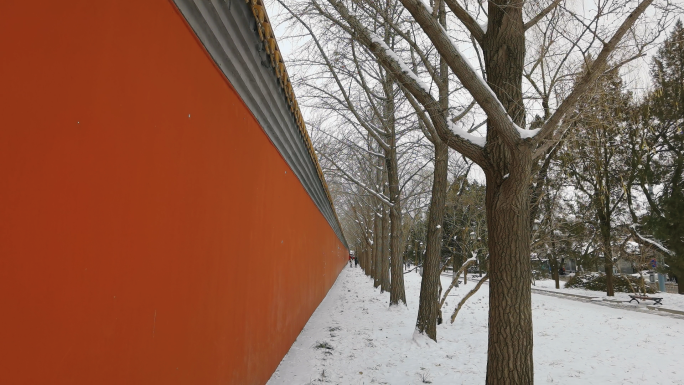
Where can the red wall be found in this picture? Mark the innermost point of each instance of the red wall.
(150, 233)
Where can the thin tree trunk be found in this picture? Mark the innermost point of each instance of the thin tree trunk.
(397, 291)
(607, 254)
(446, 293)
(554, 270)
(384, 274)
(377, 245)
(455, 263)
(428, 307)
(553, 255)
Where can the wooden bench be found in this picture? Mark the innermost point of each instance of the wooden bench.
(656, 300)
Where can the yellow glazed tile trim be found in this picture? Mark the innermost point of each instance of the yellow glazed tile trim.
(271, 46)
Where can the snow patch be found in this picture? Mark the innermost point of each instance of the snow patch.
(476, 140)
(526, 133)
(404, 68)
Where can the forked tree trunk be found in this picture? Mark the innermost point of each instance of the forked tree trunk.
(509, 355)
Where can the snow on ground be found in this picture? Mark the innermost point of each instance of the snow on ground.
(355, 338)
(670, 300)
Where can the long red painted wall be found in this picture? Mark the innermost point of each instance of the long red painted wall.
(150, 233)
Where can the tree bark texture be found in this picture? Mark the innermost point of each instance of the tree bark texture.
(397, 292)
(509, 355)
(608, 257)
(384, 272)
(377, 245)
(602, 202)
(430, 285)
(428, 307)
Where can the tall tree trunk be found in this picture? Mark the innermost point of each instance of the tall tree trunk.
(428, 307)
(377, 245)
(509, 354)
(608, 259)
(555, 259)
(456, 262)
(510, 311)
(367, 260)
(397, 291)
(384, 274)
(553, 263)
(365, 254)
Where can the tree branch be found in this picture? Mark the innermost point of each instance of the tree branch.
(541, 15)
(596, 69)
(467, 20)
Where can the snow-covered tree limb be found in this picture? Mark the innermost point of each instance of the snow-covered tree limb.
(648, 242)
(470, 294)
(466, 74)
(408, 79)
(463, 268)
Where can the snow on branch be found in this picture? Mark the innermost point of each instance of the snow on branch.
(469, 78)
(470, 294)
(643, 240)
(388, 59)
(474, 139)
(404, 68)
(463, 268)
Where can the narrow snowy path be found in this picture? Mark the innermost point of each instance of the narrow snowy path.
(354, 338)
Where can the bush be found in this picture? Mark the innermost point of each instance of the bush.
(597, 282)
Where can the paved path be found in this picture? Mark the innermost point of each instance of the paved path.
(648, 309)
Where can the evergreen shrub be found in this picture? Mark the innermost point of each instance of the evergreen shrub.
(597, 282)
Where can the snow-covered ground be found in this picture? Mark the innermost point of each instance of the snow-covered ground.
(354, 338)
(670, 301)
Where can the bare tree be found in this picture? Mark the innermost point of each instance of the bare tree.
(509, 152)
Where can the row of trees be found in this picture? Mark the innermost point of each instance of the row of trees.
(404, 124)
(616, 181)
